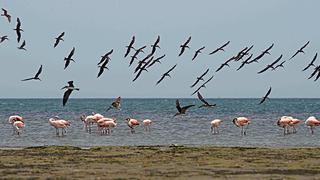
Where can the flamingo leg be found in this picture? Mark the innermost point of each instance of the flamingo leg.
(57, 132)
(217, 130)
(311, 129)
(241, 130)
(212, 129)
(294, 129)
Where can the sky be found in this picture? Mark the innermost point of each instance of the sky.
(95, 27)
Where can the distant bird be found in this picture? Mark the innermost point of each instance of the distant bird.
(103, 67)
(155, 45)
(220, 48)
(271, 65)
(268, 49)
(262, 54)
(311, 63)
(241, 54)
(279, 65)
(197, 52)
(58, 39)
(316, 70)
(135, 56)
(312, 122)
(18, 29)
(142, 62)
(202, 86)
(156, 60)
(67, 93)
(36, 77)
(69, 58)
(266, 96)
(300, 50)
(205, 103)
(147, 123)
(181, 110)
(246, 61)
(22, 46)
(132, 123)
(5, 13)
(166, 74)
(3, 38)
(241, 122)
(200, 78)
(115, 104)
(225, 64)
(143, 68)
(105, 57)
(184, 46)
(130, 46)
(215, 125)
(17, 123)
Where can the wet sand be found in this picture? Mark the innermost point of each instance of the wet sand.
(159, 162)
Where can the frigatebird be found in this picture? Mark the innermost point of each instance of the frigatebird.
(197, 52)
(300, 50)
(184, 46)
(166, 74)
(36, 77)
(181, 110)
(200, 78)
(67, 93)
(220, 48)
(311, 63)
(5, 13)
(58, 39)
(266, 96)
(18, 29)
(69, 58)
(205, 103)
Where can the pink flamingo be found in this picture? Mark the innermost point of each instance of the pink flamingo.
(293, 123)
(106, 125)
(132, 123)
(215, 125)
(284, 122)
(89, 120)
(147, 123)
(13, 119)
(59, 124)
(18, 125)
(312, 122)
(242, 121)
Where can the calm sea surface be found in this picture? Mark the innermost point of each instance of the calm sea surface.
(190, 129)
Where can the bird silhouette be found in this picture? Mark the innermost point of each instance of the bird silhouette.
(103, 67)
(105, 57)
(300, 50)
(225, 64)
(202, 86)
(115, 104)
(220, 48)
(36, 77)
(271, 65)
(155, 45)
(266, 51)
(200, 78)
(58, 39)
(316, 70)
(266, 96)
(67, 93)
(279, 65)
(246, 61)
(130, 46)
(181, 110)
(135, 56)
(184, 46)
(18, 29)
(69, 58)
(166, 74)
(5, 13)
(156, 60)
(311, 63)
(3, 38)
(143, 68)
(22, 45)
(197, 52)
(205, 103)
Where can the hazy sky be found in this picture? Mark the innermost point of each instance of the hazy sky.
(95, 27)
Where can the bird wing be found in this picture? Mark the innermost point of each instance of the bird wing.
(202, 99)
(189, 39)
(71, 53)
(56, 43)
(304, 45)
(162, 77)
(66, 96)
(61, 35)
(66, 64)
(27, 79)
(266, 96)
(171, 69)
(268, 49)
(178, 105)
(100, 71)
(276, 61)
(311, 63)
(204, 73)
(197, 90)
(294, 55)
(39, 72)
(23, 44)
(195, 83)
(18, 35)
(263, 70)
(184, 109)
(181, 51)
(195, 55)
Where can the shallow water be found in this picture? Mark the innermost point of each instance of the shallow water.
(190, 129)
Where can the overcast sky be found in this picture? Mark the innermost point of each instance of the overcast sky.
(95, 27)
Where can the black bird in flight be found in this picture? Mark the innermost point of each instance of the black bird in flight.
(271, 65)
(279, 65)
(225, 64)
(3, 38)
(220, 48)
(181, 110)
(268, 49)
(243, 53)
(69, 58)
(130, 46)
(18, 30)
(5, 13)
(202, 86)
(311, 63)
(115, 104)
(142, 62)
(184, 46)
(67, 93)
(36, 77)
(200, 78)
(105, 57)
(103, 67)
(155, 45)
(316, 70)
(143, 68)
(300, 50)
(22, 45)
(266, 96)
(262, 54)
(205, 103)
(156, 60)
(135, 56)
(58, 39)
(166, 74)
(197, 52)
(246, 61)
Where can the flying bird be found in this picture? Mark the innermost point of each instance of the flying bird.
(205, 103)
(69, 58)
(225, 64)
(268, 49)
(143, 68)
(200, 78)
(156, 60)
(271, 65)
(135, 56)
(316, 70)
(18, 29)
(181, 110)
(311, 63)
(220, 48)
(58, 39)
(155, 45)
(67, 93)
(279, 65)
(202, 86)
(166, 74)
(5, 13)
(3, 38)
(36, 77)
(22, 45)
(103, 67)
(184, 46)
(115, 104)
(105, 57)
(266, 96)
(262, 54)
(197, 52)
(246, 61)
(300, 50)
(130, 46)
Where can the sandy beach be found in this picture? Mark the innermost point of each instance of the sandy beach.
(159, 162)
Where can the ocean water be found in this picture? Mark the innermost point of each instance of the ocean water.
(190, 129)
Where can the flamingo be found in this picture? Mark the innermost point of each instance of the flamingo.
(311, 122)
(242, 121)
(59, 124)
(18, 125)
(132, 123)
(284, 122)
(13, 119)
(106, 124)
(89, 120)
(293, 123)
(147, 123)
(214, 125)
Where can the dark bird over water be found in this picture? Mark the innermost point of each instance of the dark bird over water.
(300, 50)
(58, 39)
(3, 38)
(220, 48)
(67, 93)
(205, 103)
(311, 63)
(36, 77)
(22, 46)
(200, 78)
(202, 86)
(271, 65)
(115, 104)
(69, 58)
(5, 13)
(184, 46)
(166, 74)
(197, 52)
(18, 29)
(266, 96)
(105, 57)
(181, 110)
(103, 67)
(130, 46)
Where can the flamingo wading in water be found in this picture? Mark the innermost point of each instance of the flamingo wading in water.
(215, 126)
(59, 124)
(241, 122)
(312, 122)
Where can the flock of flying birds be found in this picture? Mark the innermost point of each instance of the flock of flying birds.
(150, 60)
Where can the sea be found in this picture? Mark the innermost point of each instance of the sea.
(191, 129)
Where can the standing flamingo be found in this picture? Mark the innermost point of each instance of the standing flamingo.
(13, 119)
(242, 121)
(284, 122)
(311, 122)
(215, 125)
(105, 125)
(147, 123)
(18, 126)
(132, 123)
(59, 124)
